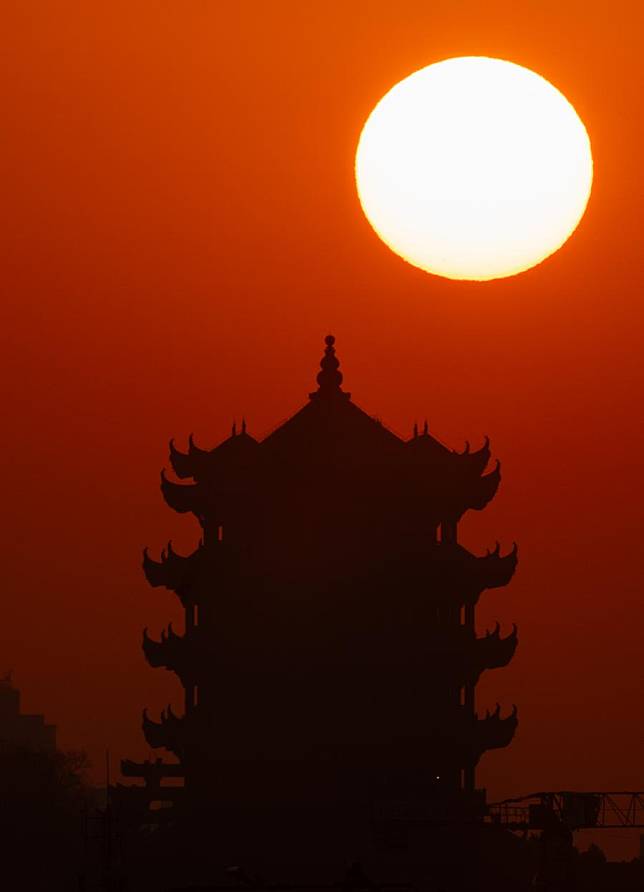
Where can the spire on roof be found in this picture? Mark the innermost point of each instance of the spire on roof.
(330, 377)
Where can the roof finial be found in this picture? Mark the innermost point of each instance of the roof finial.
(243, 425)
(330, 377)
(234, 430)
(426, 428)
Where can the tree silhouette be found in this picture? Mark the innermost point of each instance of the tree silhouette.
(42, 797)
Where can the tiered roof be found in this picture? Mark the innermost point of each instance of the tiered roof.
(330, 428)
(459, 572)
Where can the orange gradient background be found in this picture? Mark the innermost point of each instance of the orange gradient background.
(181, 229)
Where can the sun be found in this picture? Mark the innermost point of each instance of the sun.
(474, 168)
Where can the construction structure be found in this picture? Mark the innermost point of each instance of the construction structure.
(330, 656)
(605, 810)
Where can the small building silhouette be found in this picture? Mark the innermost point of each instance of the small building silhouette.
(330, 656)
(19, 730)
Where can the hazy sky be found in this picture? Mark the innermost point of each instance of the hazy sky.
(181, 229)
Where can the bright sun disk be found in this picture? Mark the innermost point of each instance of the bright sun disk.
(474, 168)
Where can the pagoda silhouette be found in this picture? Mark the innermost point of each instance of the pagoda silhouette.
(329, 657)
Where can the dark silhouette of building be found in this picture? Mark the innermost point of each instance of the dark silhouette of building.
(18, 729)
(43, 793)
(330, 656)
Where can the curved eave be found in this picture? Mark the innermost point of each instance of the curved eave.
(237, 450)
(164, 734)
(483, 490)
(174, 571)
(494, 652)
(153, 732)
(456, 572)
(166, 653)
(496, 570)
(180, 462)
(428, 451)
(463, 468)
(153, 651)
(191, 463)
(476, 462)
(494, 732)
(155, 571)
(181, 497)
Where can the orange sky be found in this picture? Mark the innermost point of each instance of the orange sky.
(180, 230)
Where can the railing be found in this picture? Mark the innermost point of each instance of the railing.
(574, 810)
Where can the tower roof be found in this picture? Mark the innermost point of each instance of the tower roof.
(331, 432)
(331, 424)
